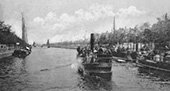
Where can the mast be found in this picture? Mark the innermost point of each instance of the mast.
(114, 28)
(34, 44)
(48, 42)
(24, 31)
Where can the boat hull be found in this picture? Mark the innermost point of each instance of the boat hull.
(97, 66)
(104, 59)
(101, 67)
(107, 75)
(21, 53)
(154, 65)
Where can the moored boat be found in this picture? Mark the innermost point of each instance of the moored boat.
(163, 65)
(25, 48)
(21, 53)
(154, 65)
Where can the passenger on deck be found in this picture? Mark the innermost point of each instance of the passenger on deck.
(157, 58)
(162, 57)
(100, 51)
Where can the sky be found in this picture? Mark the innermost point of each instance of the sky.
(69, 20)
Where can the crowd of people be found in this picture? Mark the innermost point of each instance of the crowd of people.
(86, 51)
(144, 53)
(155, 55)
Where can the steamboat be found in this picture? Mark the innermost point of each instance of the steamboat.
(96, 64)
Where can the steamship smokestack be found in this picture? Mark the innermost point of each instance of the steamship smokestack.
(92, 40)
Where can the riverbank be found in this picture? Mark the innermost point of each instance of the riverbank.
(6, 54)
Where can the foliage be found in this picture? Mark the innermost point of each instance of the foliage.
(7, 36)
(158, 33)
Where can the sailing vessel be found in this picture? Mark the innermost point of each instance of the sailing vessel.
(25, 48)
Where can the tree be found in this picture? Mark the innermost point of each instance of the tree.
(7, 36)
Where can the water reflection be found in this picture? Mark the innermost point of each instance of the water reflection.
(49, 70)
(12, 66)
(87, 83)
(12, 74)
(5, 64)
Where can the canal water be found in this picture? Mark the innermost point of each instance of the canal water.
(54, 69)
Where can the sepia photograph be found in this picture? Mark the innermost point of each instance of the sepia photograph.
(84, 45)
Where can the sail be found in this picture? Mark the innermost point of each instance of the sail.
(24, 31)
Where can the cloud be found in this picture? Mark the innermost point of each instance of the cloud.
(1, 12)
(132, 11)
(95, 12)
(67, 18)
(66, 23)
(131, 16)
(39, 21)
(50, 16)
(79, 25)
(60, 17)
(96, 18)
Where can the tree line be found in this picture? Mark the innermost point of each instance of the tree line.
(7, 36)
(158, 33)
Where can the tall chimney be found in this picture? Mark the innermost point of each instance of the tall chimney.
(92, 40)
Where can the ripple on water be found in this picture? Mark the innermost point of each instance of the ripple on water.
(131, 78)
(46, 69)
